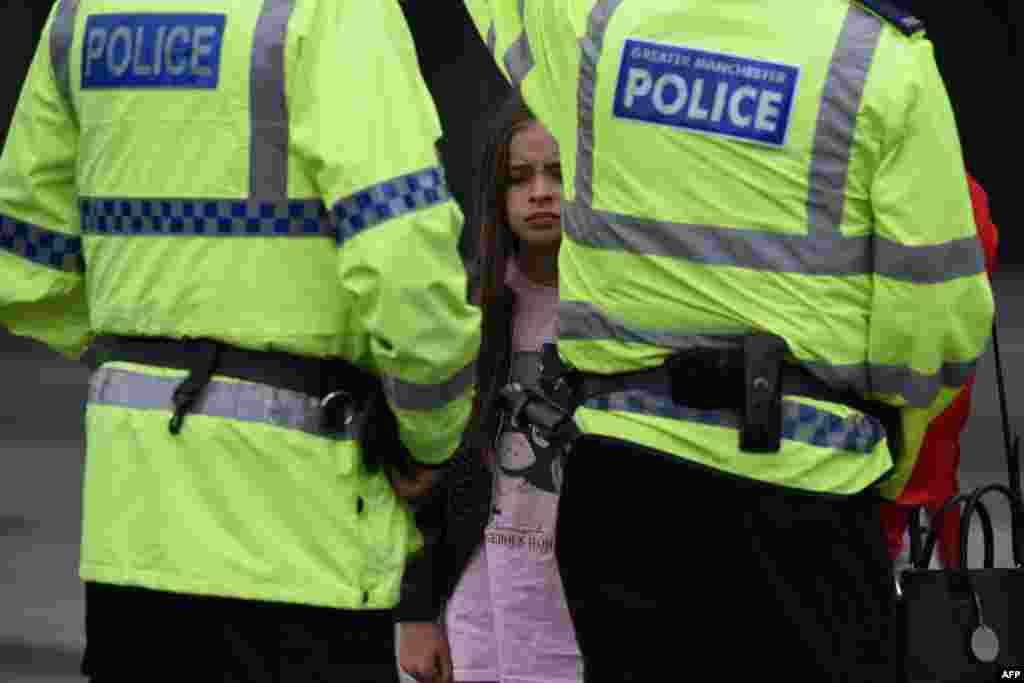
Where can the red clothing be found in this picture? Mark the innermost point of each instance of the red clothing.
(987, 232)
(935, 476)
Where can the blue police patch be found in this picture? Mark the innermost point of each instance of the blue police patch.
(152, 50)
(707, 92)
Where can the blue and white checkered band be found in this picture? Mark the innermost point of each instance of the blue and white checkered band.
(390, 199)
(800, 422)
(706, 92)
(39, 245)
(212, 218)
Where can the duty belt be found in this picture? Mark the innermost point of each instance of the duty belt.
(748, 380)
(347, 393)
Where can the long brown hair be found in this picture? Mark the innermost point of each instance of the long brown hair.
(497, 244)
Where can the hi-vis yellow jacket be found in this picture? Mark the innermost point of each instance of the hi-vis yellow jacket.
(792, 167)
(263, 173)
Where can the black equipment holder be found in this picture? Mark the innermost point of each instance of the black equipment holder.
(351, 399)
(201, 359)
(761, 417)
(527, 405)
(749, 379)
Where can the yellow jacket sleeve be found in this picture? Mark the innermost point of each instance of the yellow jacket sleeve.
(932, 309)
(366, 127)
(42, 293)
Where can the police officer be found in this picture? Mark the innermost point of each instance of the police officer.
(770, 283)
(241, 204)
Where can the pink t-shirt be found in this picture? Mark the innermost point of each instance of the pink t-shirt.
(508, 620)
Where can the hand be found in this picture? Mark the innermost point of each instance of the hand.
(417, 484)
(423, 652)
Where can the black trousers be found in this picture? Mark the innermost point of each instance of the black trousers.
(671, 568)
(133, 634)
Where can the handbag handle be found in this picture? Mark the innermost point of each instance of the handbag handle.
(987, 530)
(1011, 442)
(1016, 518)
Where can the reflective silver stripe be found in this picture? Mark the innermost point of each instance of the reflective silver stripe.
(409, 396)
(929, 264)
(61, 33)
(232, 400)
(822, 253)
(268, 129)
(582, 320)
(714, 245)
(590, 54)
(492, 38)
(837, 119)
(579, 320)
(918, 389)
(518, 56)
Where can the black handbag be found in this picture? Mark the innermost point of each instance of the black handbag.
(963, 624)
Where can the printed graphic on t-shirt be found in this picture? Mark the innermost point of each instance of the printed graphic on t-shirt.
(528, 482)
(525, 453)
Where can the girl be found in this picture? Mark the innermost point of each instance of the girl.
(506, 619)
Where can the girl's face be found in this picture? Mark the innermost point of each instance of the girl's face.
(534, 197)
